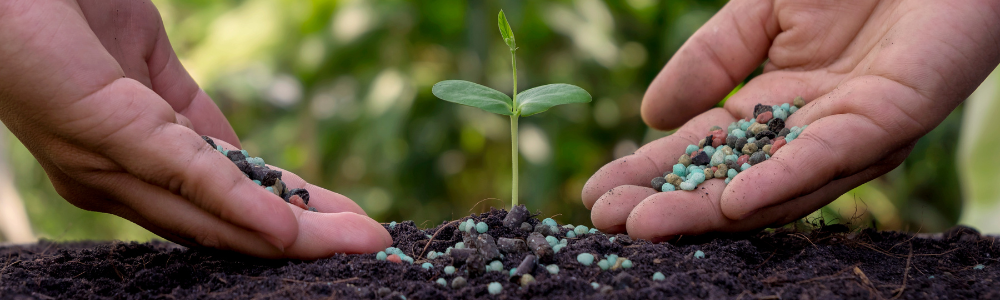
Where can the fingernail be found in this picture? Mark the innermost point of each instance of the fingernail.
(273, 240)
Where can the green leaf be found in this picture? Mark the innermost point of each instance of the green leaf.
(542, 98)
(475, 95)
(508, 35)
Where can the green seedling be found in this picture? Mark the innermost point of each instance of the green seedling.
(530, 102)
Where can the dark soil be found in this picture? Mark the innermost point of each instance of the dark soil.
(826, 263)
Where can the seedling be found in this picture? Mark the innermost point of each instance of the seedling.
(530, 102)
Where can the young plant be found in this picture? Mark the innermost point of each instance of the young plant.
(528, 103)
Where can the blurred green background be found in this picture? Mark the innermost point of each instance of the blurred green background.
(339, 93)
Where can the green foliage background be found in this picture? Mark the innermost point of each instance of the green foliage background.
(339, 92)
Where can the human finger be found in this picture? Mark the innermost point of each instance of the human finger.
(711, 63)
(662, 216)
(665, 216)
(785, 212)
(324, 234)
(186, 223)
(133, 33)
(103, 193)
(323, 200)
(611, 211)
(343, 227)
(174, 218)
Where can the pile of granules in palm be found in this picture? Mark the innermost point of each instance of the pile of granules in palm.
(725, 153)
(255, 169)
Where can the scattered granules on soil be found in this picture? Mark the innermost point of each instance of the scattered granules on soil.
(744, 143)
(826, 263)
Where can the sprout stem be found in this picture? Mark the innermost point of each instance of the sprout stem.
(513, 133)
(513, 154)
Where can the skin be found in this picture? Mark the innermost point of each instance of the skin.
(876, 76)
(95, 92)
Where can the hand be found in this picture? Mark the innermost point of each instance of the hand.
(95, 92)
(879, 74)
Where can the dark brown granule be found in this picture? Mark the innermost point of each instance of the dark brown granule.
(538, 245)
(700, 159)
(236, 155)
(760, 108)
(266, 176)
(740, 143)
(475, 264)
(516, 216)
(658, 182)
(732, 165)
(546, 230)
(757, 158)
(762, 142)
(731, 141)
(487, 247)
(245, 167)
(776, 124)
(209, 141)
(765, 133)
(527, 265)
(509, 245)
(301, 193)
(460, 255)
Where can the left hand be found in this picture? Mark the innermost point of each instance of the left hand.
(94, 90)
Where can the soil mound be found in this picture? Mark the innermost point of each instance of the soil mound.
(827, 263)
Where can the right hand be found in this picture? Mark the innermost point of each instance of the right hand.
(877, 76)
